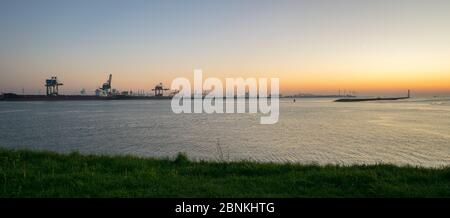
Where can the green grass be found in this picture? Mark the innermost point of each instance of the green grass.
(25, 173)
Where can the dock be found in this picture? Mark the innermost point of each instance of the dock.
(15, 97)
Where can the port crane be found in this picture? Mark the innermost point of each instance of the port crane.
(52, 86)
(106, 87)
(159, 89)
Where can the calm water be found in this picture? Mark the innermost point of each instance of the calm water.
(416, 131)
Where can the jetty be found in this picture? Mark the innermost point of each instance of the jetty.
(373, 99)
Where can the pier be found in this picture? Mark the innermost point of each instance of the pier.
(373, 99)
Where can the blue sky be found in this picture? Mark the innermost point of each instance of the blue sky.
(312, 46)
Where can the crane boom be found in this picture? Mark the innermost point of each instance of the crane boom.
(110, 80)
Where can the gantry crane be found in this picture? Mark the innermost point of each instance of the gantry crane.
(159, 89)
(52, 86)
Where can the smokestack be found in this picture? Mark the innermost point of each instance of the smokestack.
(409, 93)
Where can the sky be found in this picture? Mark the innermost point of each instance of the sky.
(373, 47)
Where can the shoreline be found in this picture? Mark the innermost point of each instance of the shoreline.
(16, 97)
(29, 173)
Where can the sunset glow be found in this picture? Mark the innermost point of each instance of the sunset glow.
(376, 47)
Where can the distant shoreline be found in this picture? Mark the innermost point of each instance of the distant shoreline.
(15, 97)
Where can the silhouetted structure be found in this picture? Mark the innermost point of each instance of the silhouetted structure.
(373, 99)
(159, 89)
(107, 85)
(52, 86)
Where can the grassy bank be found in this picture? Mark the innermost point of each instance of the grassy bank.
(47, 174)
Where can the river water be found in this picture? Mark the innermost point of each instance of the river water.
(413, 131)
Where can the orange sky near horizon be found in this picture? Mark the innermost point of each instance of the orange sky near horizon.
(371, 47)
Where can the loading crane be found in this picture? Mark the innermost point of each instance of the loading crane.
(106, 89)
(159, 89)
(107, 85)
(52, 86)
